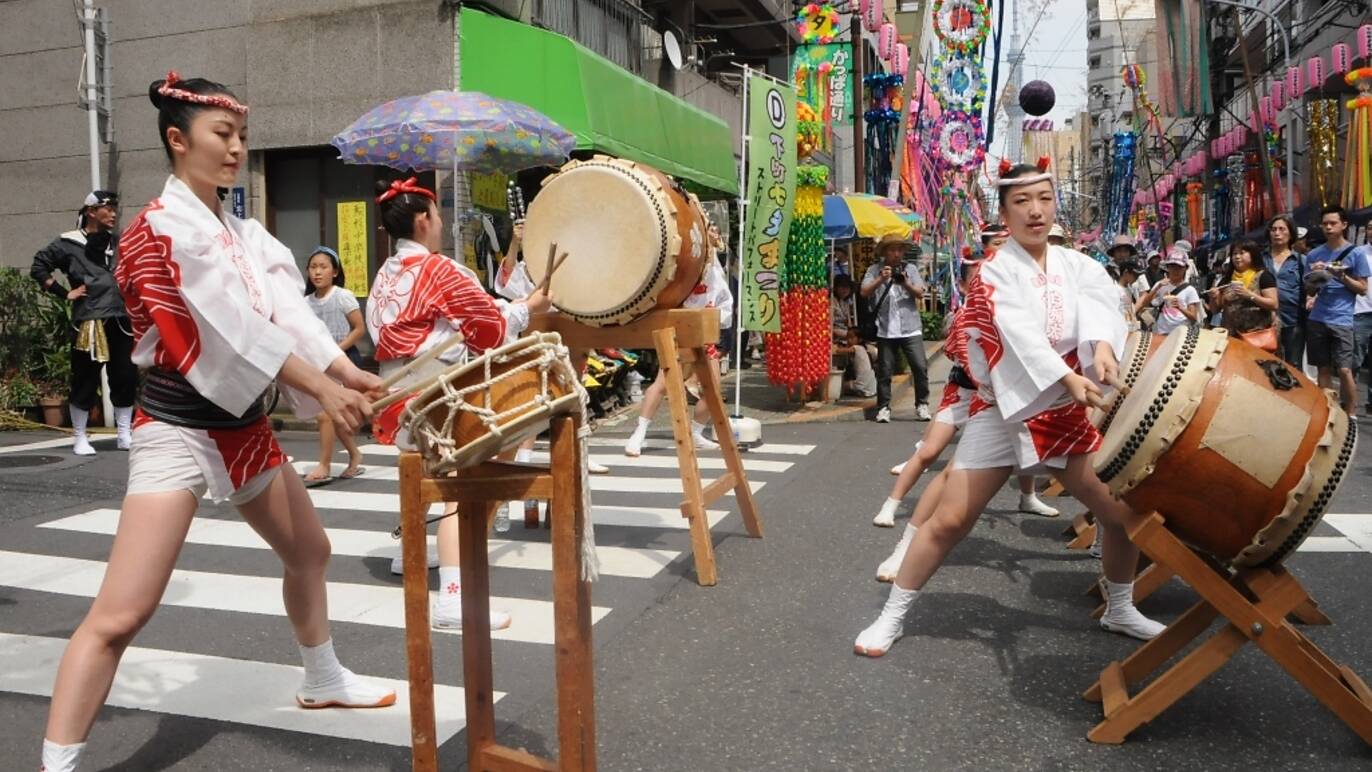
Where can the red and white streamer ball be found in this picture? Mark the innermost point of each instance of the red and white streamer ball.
(886, 42)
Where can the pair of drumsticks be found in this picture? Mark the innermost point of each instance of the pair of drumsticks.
(1100, 402)
(433, 353)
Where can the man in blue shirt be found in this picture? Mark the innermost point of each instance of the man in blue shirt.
(1329, 343)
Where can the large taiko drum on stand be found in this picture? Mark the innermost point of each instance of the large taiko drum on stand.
(1139, 347)
(1239, 452)
(635, 240)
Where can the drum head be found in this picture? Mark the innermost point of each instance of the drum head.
(612, 222)
(1162, 401)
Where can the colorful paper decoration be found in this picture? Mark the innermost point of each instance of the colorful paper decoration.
(1322, 126)
(817, 23)
(960, 140)
(958, 82)
(800, 353)
(962, 24)
(1357, 172)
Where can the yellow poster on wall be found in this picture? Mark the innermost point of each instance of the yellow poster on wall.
(352, 245)
(488, 191)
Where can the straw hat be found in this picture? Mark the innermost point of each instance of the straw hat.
(890, 239)
(1123, 240)
(1057, 232)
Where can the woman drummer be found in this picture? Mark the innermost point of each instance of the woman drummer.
(1033, 314)
(217, 314)
(420, 299)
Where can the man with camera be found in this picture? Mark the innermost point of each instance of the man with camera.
(894, 288)
(1338, 274)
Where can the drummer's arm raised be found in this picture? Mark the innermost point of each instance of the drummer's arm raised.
(467, 306)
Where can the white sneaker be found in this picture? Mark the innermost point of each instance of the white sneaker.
(1131, 622)
(346, 691)
(634, 447)
(898, 468)
(398, 563)
(1030, 503)
(922, 412)
(81, 446)
(704, 443)
(595, 468)
(447, 614)
(884, 415)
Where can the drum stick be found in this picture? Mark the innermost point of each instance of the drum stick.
(553, 265)
(417, 362)
(1097, 401)
(1115, 383)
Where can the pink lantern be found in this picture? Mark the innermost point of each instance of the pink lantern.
(1365, 41)
(1315, 70)
(1342, 58)
(1255, 119)
(871, 14)
(1278, 95)
(1243, 136)
(901, 62)
(1265, 110)
(886, 41)
(1295, 83)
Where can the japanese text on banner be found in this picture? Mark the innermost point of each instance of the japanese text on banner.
(352, 245)
(771, 193)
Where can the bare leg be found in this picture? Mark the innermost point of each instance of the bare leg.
(647, 408)
(1119, 556)
(1348, 392)
(354, 453)
(1325, 377)
(924, 509)
(326, 435)
(152, 528)
(285, 518)
(936, 438)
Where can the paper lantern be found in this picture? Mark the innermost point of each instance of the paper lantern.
(1365, 42)
(1295, 83)
(901, 61)
(1265, 111)
(871, 14)
(886, 41)
(1314, 69)
(1341, 57)
(1037, 97)
(1278, 95)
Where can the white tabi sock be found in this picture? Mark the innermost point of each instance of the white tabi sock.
(79, 419)
(449, 582)
(321, 664)
(1121, 616)
(876, 640)
(123, 419)
(60, 758)
(886, 572)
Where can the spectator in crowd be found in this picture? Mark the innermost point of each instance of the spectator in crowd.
(1126, 275)
(1338, 273)
(894, 288)
(1246, 295)
(102, 336)
(1153, 272)
(1288, 267)
(1300, 245)
(1174, 302)
(1057, 236)
(859, 378)
(1362, 342)
(1192, 274)
(1122, 249)
(338, 309)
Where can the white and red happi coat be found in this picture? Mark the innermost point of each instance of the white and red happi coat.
(421, 299)
(219, 300)
(712, 291)
(1022, 329)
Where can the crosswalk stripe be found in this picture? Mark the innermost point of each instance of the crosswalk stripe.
(1328, 544)
(1357, 528)
(352, 603)
(769, 448)
(222, 689)
(60, 442)
(599, 483)
(614, 561)
(620, 461)
(386, 505)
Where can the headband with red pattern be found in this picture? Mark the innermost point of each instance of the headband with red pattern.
(1006, 166)
(169, 89)
(401, 187)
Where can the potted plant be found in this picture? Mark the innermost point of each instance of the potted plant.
(18, 394)
(54, 388)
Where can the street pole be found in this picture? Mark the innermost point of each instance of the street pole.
(742, 263)
(1286, 52)
(92, 100)
(859, 71)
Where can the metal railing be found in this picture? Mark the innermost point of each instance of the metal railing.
(611, 28)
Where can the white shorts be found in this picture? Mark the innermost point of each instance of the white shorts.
(954, 410)
(988, 442)
(233, 465)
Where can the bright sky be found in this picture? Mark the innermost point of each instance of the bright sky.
(1055, 52)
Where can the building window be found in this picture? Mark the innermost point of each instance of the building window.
(908, 6)
(1094, 62)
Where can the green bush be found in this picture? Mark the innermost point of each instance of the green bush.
(35, 339)
(933, 324)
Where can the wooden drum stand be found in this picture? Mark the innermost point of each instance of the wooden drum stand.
(1255, 604)
(478, 491)
(680, 337)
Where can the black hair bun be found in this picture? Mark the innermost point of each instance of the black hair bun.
(153, 95)
(382, 186)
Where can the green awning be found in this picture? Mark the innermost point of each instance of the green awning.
(608, 108)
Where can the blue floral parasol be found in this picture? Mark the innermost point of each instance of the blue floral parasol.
(464, 130)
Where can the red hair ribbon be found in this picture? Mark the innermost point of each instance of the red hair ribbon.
(401, 187)
(222, 101)
(1043, 163)
(1005, 166)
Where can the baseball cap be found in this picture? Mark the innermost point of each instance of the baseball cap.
(1183, 245)
(1175, 256)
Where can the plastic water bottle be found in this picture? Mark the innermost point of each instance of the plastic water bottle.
(502, 519)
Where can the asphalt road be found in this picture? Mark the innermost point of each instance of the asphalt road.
(753, 674)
